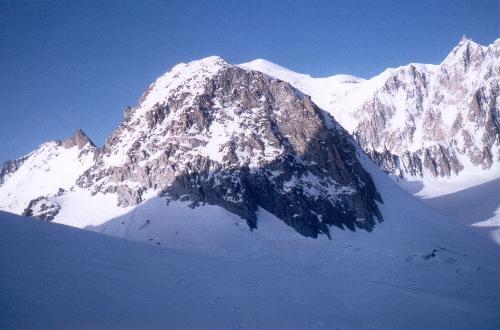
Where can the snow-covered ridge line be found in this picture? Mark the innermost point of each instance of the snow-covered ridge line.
(283, 73)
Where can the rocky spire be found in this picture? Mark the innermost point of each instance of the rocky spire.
(79, 139)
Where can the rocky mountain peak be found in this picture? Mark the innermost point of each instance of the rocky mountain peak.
(183, 78)
(78, 139)
(211, 132)
(49, 152)
(466, 52)
(437, 120)
(52, 168)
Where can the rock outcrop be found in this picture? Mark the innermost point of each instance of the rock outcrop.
(78, 139)
(9, 167)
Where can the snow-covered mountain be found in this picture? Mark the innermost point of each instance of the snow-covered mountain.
(419, 120)
(208, 132)
(212, 132)
(49, 170)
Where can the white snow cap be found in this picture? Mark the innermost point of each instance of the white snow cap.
(183, 77)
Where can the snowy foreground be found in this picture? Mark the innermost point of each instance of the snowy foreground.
(415, 270)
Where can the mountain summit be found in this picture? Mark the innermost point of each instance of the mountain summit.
(78, 139)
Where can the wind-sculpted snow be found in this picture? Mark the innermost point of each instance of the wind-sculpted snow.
(417, 120)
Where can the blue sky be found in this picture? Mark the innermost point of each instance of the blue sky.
(77, 64)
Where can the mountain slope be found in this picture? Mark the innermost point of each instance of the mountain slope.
(417, 271)
(418, 120)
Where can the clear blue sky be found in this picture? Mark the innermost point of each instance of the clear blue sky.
(77, 64)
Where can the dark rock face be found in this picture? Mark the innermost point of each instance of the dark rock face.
(78, 139)
(439, 161)
(238, 139)
(9, 167)
(42, 208)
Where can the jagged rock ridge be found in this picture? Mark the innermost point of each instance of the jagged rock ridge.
(418, 120)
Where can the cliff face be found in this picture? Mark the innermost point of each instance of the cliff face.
(9, 167)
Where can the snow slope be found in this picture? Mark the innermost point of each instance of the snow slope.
(476, 205)
(415, 272)
(472, 199)
(47, 169)
(204, 268)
